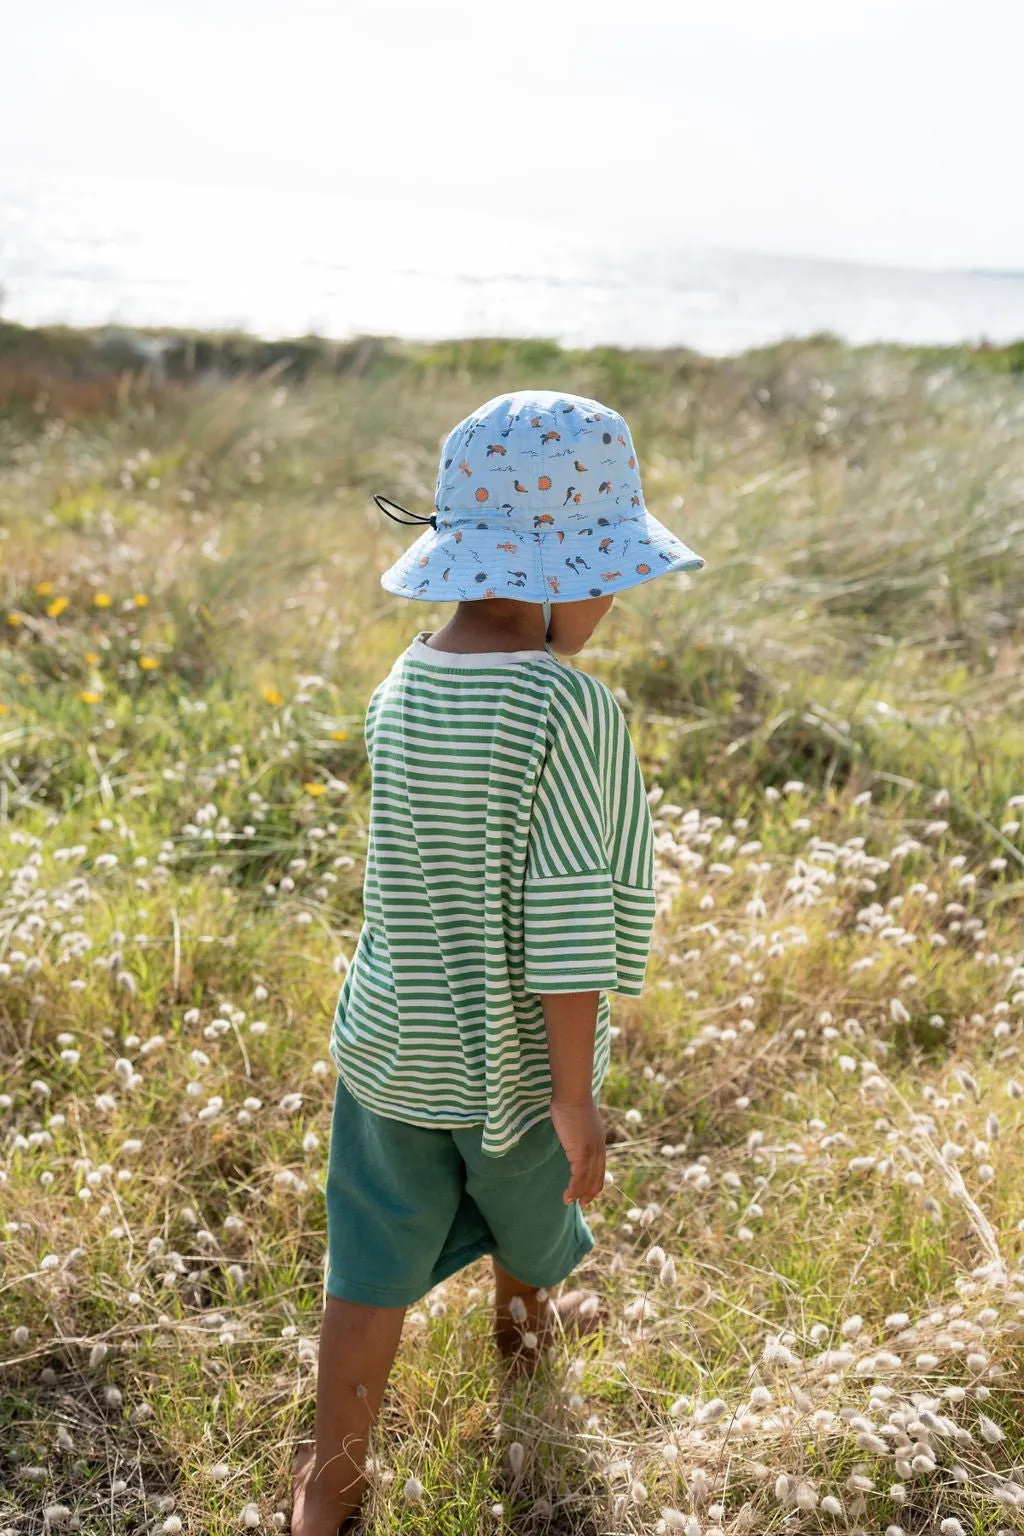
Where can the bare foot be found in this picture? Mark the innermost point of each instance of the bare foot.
(316, 1511)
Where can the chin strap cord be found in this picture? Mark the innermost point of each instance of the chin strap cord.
(411, 519)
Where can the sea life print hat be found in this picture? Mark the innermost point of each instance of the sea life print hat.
(538, 498)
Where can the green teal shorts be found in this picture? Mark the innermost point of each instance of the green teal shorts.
(408, 1206)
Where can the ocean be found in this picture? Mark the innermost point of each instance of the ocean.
(102, 250)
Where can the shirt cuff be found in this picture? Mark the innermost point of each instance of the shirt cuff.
(572, 937)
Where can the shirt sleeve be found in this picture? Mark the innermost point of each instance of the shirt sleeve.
(588, 904)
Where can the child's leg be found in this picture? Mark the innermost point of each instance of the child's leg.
(525, 1319)
(357, 1349)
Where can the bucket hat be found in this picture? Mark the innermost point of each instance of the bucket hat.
(538, 498)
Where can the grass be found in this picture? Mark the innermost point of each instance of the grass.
(811, 1253)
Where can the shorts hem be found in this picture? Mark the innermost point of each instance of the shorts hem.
(398, 1296)
(562, 1272)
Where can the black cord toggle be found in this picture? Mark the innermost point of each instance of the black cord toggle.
(411, 519)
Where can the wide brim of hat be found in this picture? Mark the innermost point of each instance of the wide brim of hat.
(472, 559)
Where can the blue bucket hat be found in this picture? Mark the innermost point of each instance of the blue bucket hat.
(538, 498)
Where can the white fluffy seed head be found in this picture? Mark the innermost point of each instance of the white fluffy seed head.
(516, 1457)
(413, 1490)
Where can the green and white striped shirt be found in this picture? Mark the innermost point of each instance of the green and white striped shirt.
(510, 854)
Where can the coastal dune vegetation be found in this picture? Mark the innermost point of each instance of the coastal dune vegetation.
(810, 1258)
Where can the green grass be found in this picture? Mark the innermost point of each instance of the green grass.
(830, 719)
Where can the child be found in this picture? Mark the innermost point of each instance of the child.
(508, 890)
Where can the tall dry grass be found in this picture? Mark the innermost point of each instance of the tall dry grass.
(810, 1253)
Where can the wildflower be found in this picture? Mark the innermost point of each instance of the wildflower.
(172, 1525)
(89, 696)
(149, 663)
(102, 600)
(315, 789)
(57, 607)
(4, 709)
(140, 600)
(250, 1516)
(272, 696)
(14, 619)
(339, 735)
(413, 1490)
(92, 658)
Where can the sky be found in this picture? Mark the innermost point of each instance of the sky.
(886, 130)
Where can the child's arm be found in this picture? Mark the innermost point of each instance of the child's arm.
(571, 1021)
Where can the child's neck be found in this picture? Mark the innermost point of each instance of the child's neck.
(498, 625)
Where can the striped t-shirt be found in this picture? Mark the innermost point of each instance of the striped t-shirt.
(510, 854)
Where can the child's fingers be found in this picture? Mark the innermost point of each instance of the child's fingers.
(586, 1177)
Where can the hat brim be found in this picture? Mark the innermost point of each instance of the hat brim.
(487, 558)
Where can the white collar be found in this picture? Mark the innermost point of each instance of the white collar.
(420, 651)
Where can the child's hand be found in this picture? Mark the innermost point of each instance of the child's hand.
(580, 1129)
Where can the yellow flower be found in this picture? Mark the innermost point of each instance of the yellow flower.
(14, 618)
(315, 789)
(44, 588)
(140, 599)
(4, 709)
(90, 696)
(102, 600)
(92, 658)
(24, 677)
(56, 608)
(339, 735)
(149, 663)
(272, 696)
